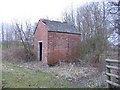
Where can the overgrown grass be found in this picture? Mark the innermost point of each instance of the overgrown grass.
(15, 76)
(94, 83)
(8, 46)
(0, 46)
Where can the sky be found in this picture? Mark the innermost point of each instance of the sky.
(35, 9)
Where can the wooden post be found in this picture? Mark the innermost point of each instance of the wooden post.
(109, 78)
(109, 73)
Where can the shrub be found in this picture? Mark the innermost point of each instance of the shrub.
(18, 55)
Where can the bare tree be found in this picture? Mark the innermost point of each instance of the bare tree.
(7, 37)
(2, 32)
(69, 17)
(114, 10)
(92, 21)
(26, 36)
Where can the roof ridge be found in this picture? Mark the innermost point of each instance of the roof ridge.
(52, 25)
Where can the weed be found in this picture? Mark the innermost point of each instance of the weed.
(20, 77)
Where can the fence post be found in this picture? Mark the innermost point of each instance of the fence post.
(109, 77)
(110, 74)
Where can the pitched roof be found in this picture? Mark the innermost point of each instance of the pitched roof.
(59, 26)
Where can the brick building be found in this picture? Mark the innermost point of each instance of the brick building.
(56, 41)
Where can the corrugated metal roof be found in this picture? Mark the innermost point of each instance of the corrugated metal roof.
(59, 26)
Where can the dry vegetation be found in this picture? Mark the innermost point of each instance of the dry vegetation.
(17, 55)
(90, 73)
(92, 22)
(67, 70)
(71, 71)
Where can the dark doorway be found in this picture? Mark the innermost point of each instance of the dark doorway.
(40, 51)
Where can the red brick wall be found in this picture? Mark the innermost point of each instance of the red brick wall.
(56, 46)
(41, 34)
(63, 46)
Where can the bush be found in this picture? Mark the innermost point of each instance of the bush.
(18, 55)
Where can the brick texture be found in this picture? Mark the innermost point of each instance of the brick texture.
(63, 46)
(41, 34)
(57, 46)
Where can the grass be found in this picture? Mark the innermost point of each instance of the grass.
(8, 46)
(0, 46)
(15, 76)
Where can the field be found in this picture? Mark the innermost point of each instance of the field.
(35, 74)
(16, 75)
(8, 46)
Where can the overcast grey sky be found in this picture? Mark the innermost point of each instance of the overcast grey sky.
(11, 10)
(36, 9)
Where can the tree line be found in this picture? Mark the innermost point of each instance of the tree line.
(17, 34)
(97, 21)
